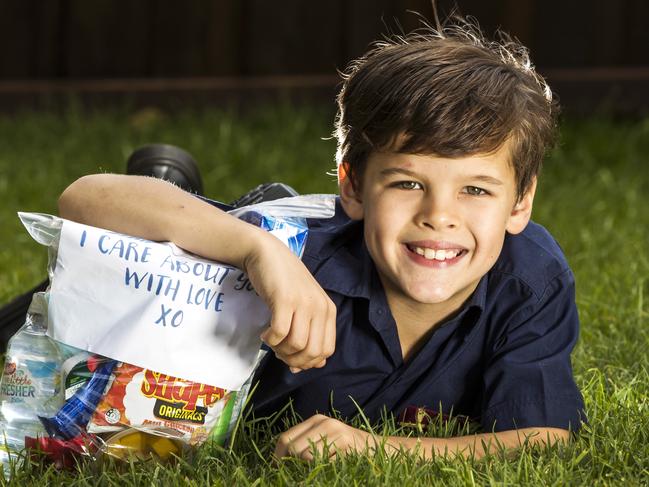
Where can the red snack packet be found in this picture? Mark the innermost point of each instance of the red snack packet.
(62, 453)
(159, 404)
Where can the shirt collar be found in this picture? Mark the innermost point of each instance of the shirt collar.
(478, 299)
(348, 268)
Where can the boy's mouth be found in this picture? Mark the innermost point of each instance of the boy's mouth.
(440, 255)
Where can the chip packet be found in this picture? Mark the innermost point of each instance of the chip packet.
(159, 403)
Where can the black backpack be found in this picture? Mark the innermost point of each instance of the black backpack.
(12, 315)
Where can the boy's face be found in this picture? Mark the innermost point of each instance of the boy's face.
(434, 226)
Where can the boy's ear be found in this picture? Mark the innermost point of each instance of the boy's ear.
(349, 196)
(522, 212)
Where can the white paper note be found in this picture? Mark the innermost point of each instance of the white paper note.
(152, 305)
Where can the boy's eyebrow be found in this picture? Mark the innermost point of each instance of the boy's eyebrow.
(488, 179)
(397, 170)
(407, 172)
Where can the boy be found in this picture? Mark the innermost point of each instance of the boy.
(430, 287)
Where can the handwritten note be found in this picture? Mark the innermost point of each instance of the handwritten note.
(155, 306)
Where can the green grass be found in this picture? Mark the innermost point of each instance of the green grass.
(591, 197)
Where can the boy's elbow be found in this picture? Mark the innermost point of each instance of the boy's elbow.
(77, 197)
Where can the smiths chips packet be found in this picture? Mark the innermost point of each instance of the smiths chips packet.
(160, 404)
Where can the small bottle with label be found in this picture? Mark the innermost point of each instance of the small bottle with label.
(31, 382)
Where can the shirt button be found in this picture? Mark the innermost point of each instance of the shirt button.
(379, 311)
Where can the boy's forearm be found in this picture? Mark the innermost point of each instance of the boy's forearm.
(156, 210)
(302, 328)
(477, 445)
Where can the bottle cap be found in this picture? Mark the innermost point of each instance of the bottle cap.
(38, 306)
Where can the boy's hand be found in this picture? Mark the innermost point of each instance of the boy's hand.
(319, 432)
(325, 435)
(302, 330)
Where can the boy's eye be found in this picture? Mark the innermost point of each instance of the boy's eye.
(475, 191)
(407, 185)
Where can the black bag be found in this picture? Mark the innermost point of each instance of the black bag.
(13, 314)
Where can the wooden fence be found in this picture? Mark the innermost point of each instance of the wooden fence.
(75, 40)
(169, 38)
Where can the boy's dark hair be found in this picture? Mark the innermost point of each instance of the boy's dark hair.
(447, 92)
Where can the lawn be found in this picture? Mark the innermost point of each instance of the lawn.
(591, 197)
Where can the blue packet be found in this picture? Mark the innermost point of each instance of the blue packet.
(292, 231)
(73, 417)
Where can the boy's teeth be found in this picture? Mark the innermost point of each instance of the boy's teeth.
(431, 254)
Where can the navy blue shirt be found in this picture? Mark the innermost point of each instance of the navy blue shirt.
(503, 360)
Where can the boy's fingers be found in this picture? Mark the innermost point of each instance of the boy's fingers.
(329, 342)
(311, 436)
(298, 336)
(294, 439)
(311, 338)
(323, 333)
(319, 352)
(323, 330)
(279, 328)
(312, 353)
(309, 448)
(296, 362)
(302, 336)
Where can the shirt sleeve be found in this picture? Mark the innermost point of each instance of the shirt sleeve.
(528, 380)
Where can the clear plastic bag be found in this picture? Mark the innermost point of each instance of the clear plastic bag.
(121, 409)
(126, 407)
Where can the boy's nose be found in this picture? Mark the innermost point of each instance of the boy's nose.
(438, 213)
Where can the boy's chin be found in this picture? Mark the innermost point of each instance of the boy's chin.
(426, 294)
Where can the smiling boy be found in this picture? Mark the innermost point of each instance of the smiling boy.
(430, 288)
(434, 227)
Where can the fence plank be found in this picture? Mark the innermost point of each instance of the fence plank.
(47, 52)
(292, 38)
(364, 22)
(635, 41)
(106, 38)
(223, 55)
(139, 38)
(28, 35)
(179, 37)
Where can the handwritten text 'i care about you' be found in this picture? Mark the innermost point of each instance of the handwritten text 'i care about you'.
(172, 279)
